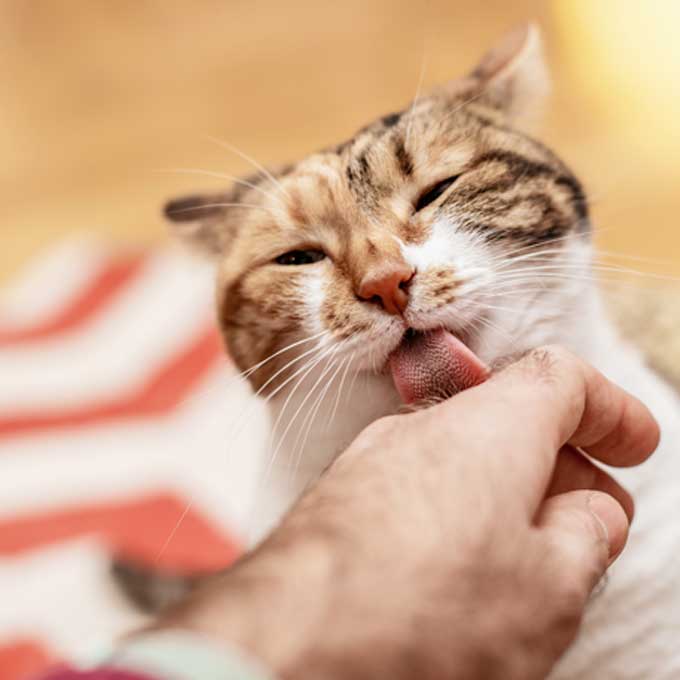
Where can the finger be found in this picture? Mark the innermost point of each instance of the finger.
(574, 471)
(523, 415)
(586, 530)
(584, 408)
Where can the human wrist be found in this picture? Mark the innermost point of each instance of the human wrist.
(312, 602)
(339, 591)
(274, 604)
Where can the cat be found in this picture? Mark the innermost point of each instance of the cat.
(446, 214)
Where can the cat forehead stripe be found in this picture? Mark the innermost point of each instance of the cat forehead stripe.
(404, 160)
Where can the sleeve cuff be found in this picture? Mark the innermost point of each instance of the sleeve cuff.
(182, 655)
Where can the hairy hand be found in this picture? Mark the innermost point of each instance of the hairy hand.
(458, 542)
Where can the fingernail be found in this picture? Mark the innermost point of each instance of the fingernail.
(601, 509)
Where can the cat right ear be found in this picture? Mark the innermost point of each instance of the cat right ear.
(513, 76)
(199, 221)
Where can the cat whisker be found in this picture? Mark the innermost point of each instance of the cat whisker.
(173, 532)
(252, 161)
(544, 277)
(539, 270)
(529, 253)
(532, 247)
(528, 307)
(350, 391)
(566, 267)
(309, 420)
(511, 259)
(409, 122)
(228, 178)
(308, 416)
(600, 257)
(249, 371)
(612, 286)
(225, 205)
(634, 258)
(338, 396)
(372, 359)
(305, 371)
(250, 406)
(473, 287)
(292, 345)
(494, 327)
(501, 285)
(597, 267)
(244, 416)
(318, 348)
(542, 247)
(462, 105)
(506, 292)
(626, 271)
(282, 438)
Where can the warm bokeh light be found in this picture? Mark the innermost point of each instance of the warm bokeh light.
(626, 57)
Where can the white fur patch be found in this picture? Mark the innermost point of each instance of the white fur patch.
(446, 245)
(313, 295)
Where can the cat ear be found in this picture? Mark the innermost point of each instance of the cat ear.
(200, 221)
(513, 76)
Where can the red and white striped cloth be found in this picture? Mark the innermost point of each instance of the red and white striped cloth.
(117, 438)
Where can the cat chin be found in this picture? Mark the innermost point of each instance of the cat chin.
(370, 356)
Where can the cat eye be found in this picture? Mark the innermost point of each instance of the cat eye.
(433, 193)
(300, 257)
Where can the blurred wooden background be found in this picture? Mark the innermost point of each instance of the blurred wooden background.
(99, 100)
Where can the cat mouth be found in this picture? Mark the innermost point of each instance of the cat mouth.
(434, 364)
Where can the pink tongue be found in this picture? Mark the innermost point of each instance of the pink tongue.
(434, 364)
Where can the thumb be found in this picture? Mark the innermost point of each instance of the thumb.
(587, 531)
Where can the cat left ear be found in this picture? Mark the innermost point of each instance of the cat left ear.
(513, 76)
(200, 221)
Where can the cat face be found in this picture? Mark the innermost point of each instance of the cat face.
(441, 215)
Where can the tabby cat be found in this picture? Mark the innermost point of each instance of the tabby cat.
(445, 221)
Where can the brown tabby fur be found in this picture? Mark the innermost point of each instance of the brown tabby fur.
(355, 202)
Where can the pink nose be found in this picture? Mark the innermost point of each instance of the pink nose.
(388, 287)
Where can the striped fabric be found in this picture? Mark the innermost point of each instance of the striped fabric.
(117, 440)
(97, 674)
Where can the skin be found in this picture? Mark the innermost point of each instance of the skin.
(439, 547)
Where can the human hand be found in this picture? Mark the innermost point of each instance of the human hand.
(458, 542)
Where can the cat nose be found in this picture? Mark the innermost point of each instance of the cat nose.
(388, 287)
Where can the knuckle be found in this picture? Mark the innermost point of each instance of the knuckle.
(548, 361)
(574, 575)
(561, 372)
